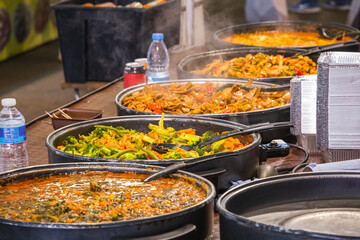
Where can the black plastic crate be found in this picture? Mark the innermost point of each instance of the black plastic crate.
(96, 43)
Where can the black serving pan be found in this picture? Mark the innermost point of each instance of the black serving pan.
(321, 205)
(280, 26)
(221, 171)
(276, 114)
(194, 222)
(200, 60)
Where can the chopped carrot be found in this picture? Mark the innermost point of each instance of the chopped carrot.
(88, 4)
(187, 131)
(106, 4)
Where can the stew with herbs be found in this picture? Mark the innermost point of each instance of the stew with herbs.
(95, 197)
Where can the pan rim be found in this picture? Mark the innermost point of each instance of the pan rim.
(224, 212)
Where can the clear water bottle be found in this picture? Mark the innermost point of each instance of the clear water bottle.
(157, 60)
(13, 153)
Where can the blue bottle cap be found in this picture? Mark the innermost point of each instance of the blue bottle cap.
(158, 36)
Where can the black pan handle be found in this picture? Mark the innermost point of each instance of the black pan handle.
(276, 148)
(183, 232)
(211, 173)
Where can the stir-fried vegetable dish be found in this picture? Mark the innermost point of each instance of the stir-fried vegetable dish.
(118, 142)
(207, 98)
(259, 66)
(95, 197)
(282, 39)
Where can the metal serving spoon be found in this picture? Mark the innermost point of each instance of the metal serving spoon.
(334, 35)
(202, 159)
(325, 48)
(187, 163)
(165, 147)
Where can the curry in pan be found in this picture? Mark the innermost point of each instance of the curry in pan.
(206, 98)
(95, 197)
(259, 66)
(282, 39)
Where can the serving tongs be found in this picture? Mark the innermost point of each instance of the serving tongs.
(333, 34)
(202, 159)
(326, 48)
(165, 147)
(187, 163)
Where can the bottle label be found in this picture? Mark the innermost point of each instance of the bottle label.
(13, 134)
(160, 79)
(157, 77)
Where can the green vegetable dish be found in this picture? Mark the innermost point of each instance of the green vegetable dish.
(121, 143)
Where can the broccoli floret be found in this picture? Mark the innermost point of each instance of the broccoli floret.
(72, 150)
(71, 140)
(140, 155)
(218, 146)
(165, 134)
(98, 133)
(200, 152)
(207, 135)
(88, 150)
(96, 153)
(189, 139)
(172, 155)
(190, 154)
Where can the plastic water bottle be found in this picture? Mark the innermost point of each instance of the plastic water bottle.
(157, 60)
(13, 153)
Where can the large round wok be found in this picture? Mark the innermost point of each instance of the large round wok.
(279, 26)
(194, 222)
(200, 60)
(242, 166)
(321, 205)
(276, 114)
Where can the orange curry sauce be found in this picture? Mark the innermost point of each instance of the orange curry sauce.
(95, 197)
(282, 39)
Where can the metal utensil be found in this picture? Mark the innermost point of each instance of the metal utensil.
(334, 35)
(187, 163)
(164, 147)
(202, 159)
(326, 48)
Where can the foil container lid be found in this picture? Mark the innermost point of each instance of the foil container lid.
(338, 100)
(303, 104)
(339, 58)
